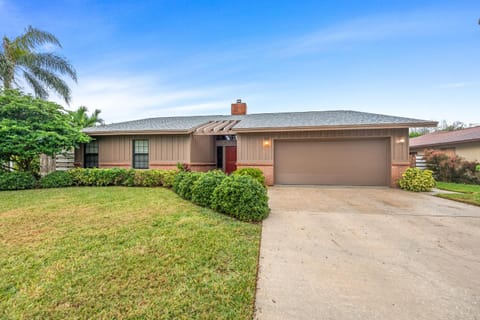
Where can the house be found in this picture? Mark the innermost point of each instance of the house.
(464, 143)
(318, 147)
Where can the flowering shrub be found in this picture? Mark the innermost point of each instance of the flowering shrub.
(414, 179)
(451, 168)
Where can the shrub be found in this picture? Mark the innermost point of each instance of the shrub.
(451, 168)
(101, 177)
(169, 177)
(186, 185)
(122, 177)
(204, 187)
(177, 180)
(57, 179)
(241, 197)
(148, 178)
(16, 180)
(414, 179)
(255, 173)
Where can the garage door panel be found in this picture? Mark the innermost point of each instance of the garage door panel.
(340, 162)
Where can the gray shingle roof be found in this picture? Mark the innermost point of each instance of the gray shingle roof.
(343, 118)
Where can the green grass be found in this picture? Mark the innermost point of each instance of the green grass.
(469, 193)
(117, 253)
(459, 187)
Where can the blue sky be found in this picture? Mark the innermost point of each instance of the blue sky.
(138, 59)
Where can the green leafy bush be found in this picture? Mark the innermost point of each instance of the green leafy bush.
(204, 187)
(241, 197)
(122, 177)
(185, 186)
(414, 179)
(16, 180)
(101, 177)
(177, 180)
(169, 177)
(255, 173)
(57, 179)
(148, 178)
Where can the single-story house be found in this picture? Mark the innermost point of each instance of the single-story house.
(464, 143)
(318, 147)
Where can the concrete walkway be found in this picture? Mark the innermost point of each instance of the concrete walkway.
(368, 253)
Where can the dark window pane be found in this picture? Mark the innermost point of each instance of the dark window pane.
(91, 161)
(140, 161)
(141, 146)
(91, 147)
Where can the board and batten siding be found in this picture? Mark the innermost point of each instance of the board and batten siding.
(165, 151)
(253, 153)
(203, 157)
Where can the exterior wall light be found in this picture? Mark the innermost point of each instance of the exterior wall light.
(401, 140)
(266, 142)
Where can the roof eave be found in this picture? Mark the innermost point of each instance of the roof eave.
(136, 132)
(450, 143)
(341, 127)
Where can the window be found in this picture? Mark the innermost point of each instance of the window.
(220, 157)
(140, 154)
(91, 155)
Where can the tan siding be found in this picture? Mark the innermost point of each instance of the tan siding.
(203, 149)
(163, 149)
(251, 147)
(470, 151)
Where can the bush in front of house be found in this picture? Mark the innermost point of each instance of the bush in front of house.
(203, 188)
(414, 179)
(451, 168)
(255, 173)
(242, 197)
(184, 188)
(122, 177)
(56, 179)
(16, 180)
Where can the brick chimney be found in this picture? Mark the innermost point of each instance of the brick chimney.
(239, 108)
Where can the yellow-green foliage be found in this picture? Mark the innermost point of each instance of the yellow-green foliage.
(414, 179)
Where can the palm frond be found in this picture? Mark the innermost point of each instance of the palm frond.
(48, 61)
(36, 85)
(33, 37)
(52, 81)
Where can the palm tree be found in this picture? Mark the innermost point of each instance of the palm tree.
(40, 70)
(81, 118)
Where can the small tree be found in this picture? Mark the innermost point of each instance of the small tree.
(81, 118)
(30, 126)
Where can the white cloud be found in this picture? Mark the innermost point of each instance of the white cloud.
(461, 84)
(127, 97)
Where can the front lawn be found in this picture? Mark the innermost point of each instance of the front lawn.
(469, 193)
(122, 253)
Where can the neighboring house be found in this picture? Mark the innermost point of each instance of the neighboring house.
(318, 147)
(464, 143)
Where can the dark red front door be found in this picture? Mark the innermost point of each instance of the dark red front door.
(230, 159)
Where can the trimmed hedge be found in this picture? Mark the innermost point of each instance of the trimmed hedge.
(57, 179)
(122, 177)
(255, 173)
(414, 179)
(241, 197)
(185, 186)
(203, 188)
(16, 180)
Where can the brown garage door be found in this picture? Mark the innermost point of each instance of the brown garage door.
(358, 162)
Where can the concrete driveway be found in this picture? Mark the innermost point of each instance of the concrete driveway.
(368, 253)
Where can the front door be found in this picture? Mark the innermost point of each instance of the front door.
(230, 159)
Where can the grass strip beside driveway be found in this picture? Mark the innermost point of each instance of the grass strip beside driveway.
(122, 253)
(468, 193)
